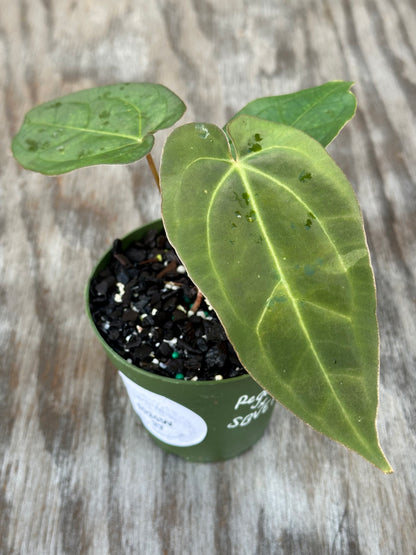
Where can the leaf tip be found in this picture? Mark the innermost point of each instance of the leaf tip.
(386, 467)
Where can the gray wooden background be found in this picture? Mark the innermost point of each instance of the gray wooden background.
(78, 473)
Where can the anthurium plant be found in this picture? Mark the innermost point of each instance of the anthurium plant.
(267, 226)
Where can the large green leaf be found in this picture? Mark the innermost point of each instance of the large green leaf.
(103, 125)
(275, 241)
(321, 112)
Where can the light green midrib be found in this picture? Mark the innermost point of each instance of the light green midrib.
(210, 257)
(243, 176)
(307, 208)
(85, 130)
(335, 90)
(241, 169)
(138, 139)
(322, 98)
(137, 110)
(87, 157)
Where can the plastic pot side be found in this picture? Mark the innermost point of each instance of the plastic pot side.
(200, 421)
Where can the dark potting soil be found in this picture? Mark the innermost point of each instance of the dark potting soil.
(141, 304)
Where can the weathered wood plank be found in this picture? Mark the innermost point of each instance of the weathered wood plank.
(78, 473)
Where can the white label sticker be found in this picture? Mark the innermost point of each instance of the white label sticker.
(167, 420)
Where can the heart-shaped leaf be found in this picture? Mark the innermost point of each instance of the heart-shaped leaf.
(275, 240)
(103, 125)
(321, 112)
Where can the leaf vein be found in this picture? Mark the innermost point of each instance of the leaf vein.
(242, 170)
(302, 202)
(85, 130)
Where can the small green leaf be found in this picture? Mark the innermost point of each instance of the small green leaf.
(321, 112)
(275, 240)
(104, 125)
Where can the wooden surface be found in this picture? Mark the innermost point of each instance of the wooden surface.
(78, 473)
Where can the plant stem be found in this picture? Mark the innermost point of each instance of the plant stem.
(197, 302)
(155, 174)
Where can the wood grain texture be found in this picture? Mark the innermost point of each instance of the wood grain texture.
(78, 473)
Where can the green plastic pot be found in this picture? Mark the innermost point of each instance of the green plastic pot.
(201, 421)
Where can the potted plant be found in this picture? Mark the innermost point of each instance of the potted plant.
(268, 229)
